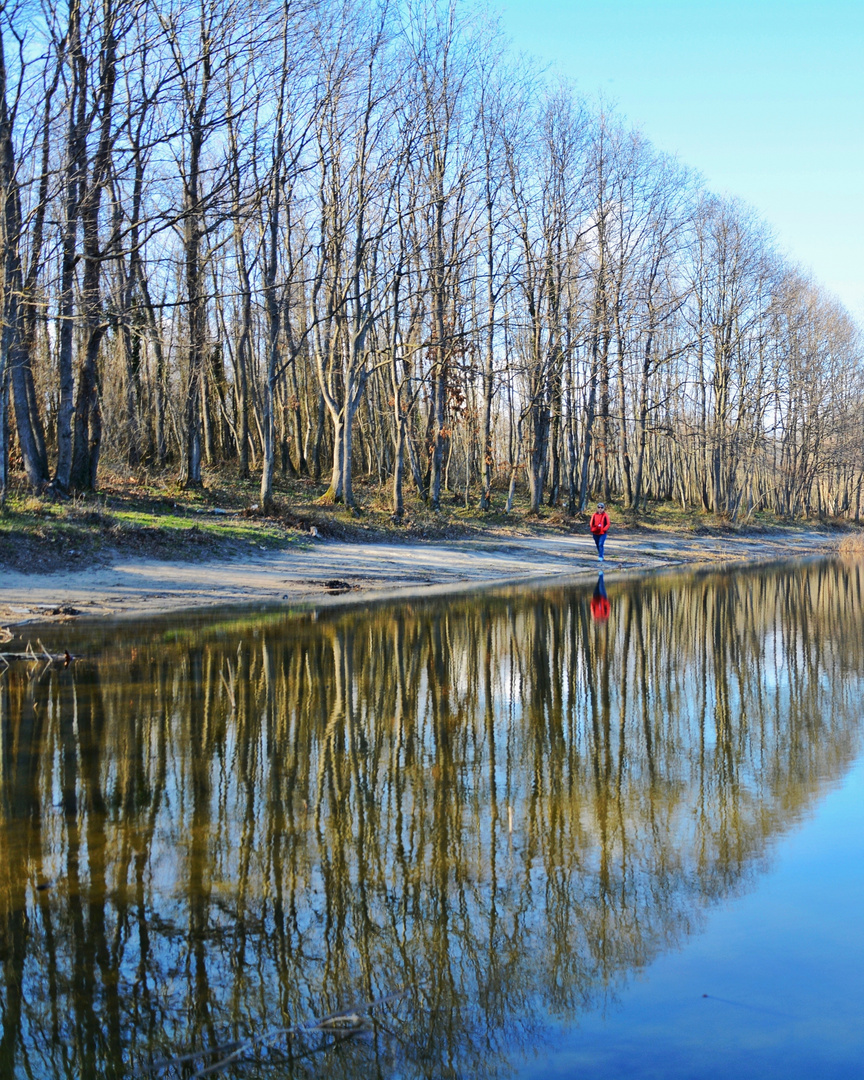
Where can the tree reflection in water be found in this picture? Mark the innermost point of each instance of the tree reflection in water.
(498, 804)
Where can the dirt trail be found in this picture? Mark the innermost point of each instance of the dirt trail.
(331, 571)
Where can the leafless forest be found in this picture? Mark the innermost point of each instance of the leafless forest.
(341, 239)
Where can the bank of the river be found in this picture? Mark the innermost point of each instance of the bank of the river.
(319, 571)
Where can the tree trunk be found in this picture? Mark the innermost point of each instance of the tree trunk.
(74, 181)
(19, 312)
(538, 455)
(190, 467)
(399, 461)
(268, 419)
(4, 427)
(87, 429)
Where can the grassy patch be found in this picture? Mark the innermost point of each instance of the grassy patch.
(154, 521)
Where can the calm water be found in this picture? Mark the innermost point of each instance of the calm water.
(555, 843)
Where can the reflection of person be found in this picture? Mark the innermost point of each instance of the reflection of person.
(599, 526)
(600, 606)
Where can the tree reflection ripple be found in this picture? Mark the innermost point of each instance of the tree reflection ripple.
(495, 809)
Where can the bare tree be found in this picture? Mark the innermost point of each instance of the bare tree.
(442, 80)
(22, 239)
(357, 161)
(546, 185)
(202, 42)
(292, 132)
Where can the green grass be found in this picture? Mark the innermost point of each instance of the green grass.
(156, 520)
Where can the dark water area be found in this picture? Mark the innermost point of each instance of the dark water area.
(558, 832)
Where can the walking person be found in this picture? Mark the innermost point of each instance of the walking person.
(599, 526)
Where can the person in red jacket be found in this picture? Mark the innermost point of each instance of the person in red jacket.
(599, 526)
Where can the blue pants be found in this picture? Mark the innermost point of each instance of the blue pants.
(600, 541)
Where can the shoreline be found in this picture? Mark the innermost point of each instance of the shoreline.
(330, 572)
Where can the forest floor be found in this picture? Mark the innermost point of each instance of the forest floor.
(137, 549)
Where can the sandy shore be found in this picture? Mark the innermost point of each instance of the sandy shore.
(338, 572)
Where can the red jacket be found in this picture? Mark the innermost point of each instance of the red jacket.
(599, 523)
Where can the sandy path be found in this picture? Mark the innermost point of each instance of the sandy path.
(138, 587)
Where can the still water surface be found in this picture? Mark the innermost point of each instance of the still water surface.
(537, 829)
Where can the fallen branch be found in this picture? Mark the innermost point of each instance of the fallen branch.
(341, 1024)
(30, 657)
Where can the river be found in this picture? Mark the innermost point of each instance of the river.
(542, 832)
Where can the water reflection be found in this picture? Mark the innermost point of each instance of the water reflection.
(497, 805)
(600, 606)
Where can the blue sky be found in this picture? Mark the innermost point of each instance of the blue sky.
(764, 99)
